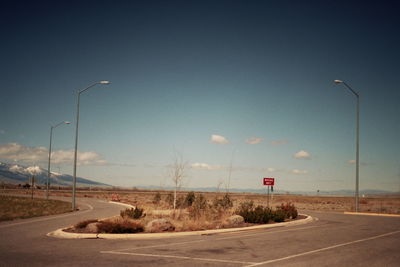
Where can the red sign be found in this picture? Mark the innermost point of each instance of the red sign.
(269, 181)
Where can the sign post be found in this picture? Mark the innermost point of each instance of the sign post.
(33, 184)
(269, 182)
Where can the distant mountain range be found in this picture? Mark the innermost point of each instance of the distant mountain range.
(18, 174)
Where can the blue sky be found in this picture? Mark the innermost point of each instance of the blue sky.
(183, 71)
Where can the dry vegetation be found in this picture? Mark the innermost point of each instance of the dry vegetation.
(159, 204)
(375, 204)
(211, 215)
(193, 212)
(12, 207)
(380, 204)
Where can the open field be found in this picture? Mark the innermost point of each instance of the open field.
(12, 207)
(378, 204)
(144, 198)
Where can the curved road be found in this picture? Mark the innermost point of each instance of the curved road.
(333, 240)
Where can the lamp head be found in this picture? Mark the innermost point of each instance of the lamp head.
(338, 81)
(67, 122)
(104, 82)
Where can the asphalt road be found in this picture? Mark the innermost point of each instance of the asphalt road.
(333, 240)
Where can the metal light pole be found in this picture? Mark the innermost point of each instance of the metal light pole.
(48, 168)
(357, 138)
(76, 137)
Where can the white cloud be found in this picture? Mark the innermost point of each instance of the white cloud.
(205, 166)
(209, 167)
(218, 139)
(255, 169)
(18, 152)
(302, 155)
(254, 140)
(84, 158)
(297, 171)
(279, 142)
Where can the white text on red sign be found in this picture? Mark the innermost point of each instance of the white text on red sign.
(269, 181)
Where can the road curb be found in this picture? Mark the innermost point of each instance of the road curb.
(122, 204)
(60, 233)
(371, 214)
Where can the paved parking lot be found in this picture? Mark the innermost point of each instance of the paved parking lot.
(333, 240)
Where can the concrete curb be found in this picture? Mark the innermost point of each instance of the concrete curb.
(61, 234)
(122, 204)
(371, 214)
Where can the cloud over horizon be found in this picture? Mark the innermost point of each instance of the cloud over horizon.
(218, 139)
(210, 167)
(17, 152)
(279, 142)
(205, 166)
(302, 155)
(254, 140)
(297, 171)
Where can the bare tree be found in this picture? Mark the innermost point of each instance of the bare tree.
(178, 172)
(219, 185)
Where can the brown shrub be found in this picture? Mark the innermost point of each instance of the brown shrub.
(289, 209)
(119, 227)
(134, 213)
(83, 224)
(159, 225)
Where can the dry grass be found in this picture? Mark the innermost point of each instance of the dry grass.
(120, 225)
(214, 218)
(378, 204)
(180, 219)
(84, 223)
(144, 198)
(12, 207)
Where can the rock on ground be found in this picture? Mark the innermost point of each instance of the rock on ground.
(91, 228)
(159, 225)
(235, 220)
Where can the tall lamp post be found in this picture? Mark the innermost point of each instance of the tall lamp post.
(357, 138)
(48, 168)
(76, 136)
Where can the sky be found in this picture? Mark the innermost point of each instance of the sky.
(238, 90)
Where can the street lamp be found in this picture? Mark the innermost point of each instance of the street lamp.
(76, 137)
(357, 138)
(48, 168)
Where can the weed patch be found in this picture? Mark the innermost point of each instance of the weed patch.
(83, 224)
(12, 207)
(260, 215)
(133, 213)
(119, 227)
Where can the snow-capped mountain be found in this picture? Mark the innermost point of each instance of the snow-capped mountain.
(14, 173)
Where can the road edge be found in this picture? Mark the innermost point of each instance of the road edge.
(371, 214)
